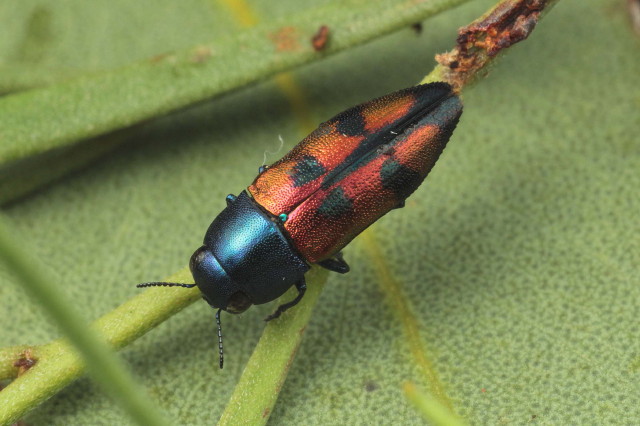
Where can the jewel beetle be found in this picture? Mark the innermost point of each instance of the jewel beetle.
(306, 207)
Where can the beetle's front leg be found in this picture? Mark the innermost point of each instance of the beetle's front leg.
(302, 287)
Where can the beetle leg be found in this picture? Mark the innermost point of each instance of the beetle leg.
(400, 205)
(335, 264)
(302, 287)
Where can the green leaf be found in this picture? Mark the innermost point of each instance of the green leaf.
(517, 260)
(38, 125)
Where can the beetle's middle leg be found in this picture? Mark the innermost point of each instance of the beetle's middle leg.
(302, 287)
(335, 264)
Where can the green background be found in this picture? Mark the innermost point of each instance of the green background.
(518, 257)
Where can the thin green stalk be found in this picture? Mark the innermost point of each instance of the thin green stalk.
(105, 368)
(256, 393)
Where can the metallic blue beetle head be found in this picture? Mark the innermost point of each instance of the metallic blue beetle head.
(246, 258)
(214, 283)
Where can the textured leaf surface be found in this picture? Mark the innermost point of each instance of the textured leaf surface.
(511, 276)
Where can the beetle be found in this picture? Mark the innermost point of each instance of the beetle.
(306, 207)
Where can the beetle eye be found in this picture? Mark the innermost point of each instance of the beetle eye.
(238, 303)
(197, 258)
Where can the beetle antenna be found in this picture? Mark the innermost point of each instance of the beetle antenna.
(220, 337)
(159, 284)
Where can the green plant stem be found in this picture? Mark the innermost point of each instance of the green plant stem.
(432, 409)
(58, 363)
(258, 389)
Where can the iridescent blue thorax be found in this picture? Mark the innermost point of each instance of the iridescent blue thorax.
(245, 250)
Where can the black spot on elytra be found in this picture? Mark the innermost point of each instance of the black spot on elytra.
(399, 178)
(336, 204)
(306, 170)
(445, 115)
(434, 103)
(351, 122)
